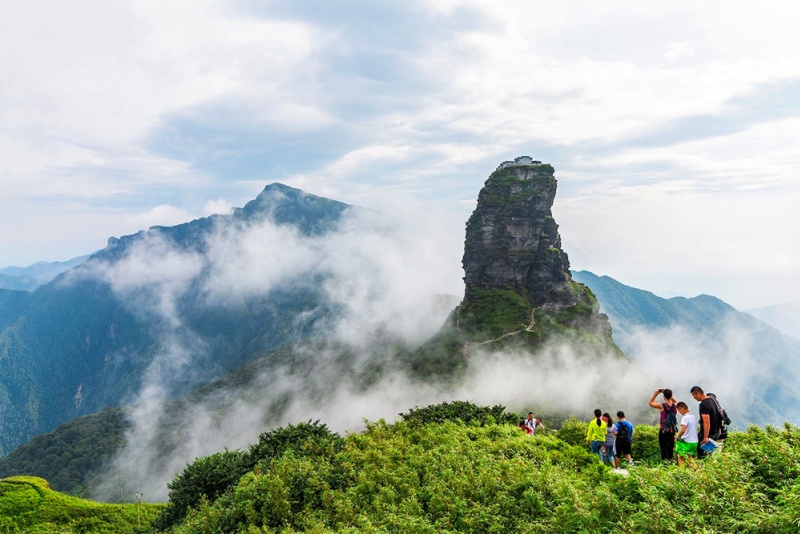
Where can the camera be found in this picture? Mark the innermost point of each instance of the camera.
(661, 390)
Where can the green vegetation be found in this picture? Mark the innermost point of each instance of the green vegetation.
(27, 504)
(459, 412)
(452, 476)
(504, 187)
(81, 334)
(210, 477)
(452, 467)
(440, 358)
(490, 313)
(66, 456)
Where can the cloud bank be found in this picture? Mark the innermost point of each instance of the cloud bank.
(382, 276)
(665, 124)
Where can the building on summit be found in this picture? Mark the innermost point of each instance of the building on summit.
(521, 160)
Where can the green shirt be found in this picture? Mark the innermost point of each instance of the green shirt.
(595, 432)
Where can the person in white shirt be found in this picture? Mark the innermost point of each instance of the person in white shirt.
(530, 422)
(686, 443)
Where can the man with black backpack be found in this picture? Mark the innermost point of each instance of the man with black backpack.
(668, 424)
(711, 425)
(623, 431)
(724, 420)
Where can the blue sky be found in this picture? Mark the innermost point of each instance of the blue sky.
(673, 128)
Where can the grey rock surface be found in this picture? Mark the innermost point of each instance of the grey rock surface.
(512, 239)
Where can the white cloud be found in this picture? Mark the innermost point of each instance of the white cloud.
(219, 206)
(557, 379)
(679, 51)
(164, 215)
(131, 106)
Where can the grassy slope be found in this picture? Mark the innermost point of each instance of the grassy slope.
(450, 477)
(27, 504)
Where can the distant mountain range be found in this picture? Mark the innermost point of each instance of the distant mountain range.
(752, 366)
(86, 340)
(30, 277)
(784, 317)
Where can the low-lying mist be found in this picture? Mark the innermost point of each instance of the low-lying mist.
(387, 279)
(752, 373)
(558, 380)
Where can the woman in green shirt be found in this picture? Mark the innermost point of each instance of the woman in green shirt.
(596, 434)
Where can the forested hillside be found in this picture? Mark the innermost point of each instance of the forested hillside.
(69, 456)
(84, 341)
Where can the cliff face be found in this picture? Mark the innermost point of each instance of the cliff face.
(512, 239)
(518, 286)
(519, 293)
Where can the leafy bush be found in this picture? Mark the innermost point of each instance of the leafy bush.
(645, 448)
(306, 439)
(573, 431)
(210, 477)
(408, 478)
(206, 478)
(460, 411)
(771, 455)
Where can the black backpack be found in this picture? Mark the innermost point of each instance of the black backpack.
(622, 432)
(724, 420)
(670, 424)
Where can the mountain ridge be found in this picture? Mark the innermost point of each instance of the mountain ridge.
(37, 274)
(75, 346)
(754, 366)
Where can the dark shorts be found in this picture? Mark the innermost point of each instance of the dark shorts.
(623, 448)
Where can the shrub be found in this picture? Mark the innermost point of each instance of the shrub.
(573, 431)
(305, 439)
(206, 478)
(645, 448)
(448, 476)
(210, 477)
(460, 411)
(771, 455)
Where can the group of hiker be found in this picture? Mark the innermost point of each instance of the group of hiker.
(693, 437)
(610, 440)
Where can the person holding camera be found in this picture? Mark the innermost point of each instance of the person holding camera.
(668, 421)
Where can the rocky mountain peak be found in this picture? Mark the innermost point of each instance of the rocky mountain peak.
(512, 240)
(519, 291)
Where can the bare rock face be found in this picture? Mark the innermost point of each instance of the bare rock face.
(512, 240)
(519, 292)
